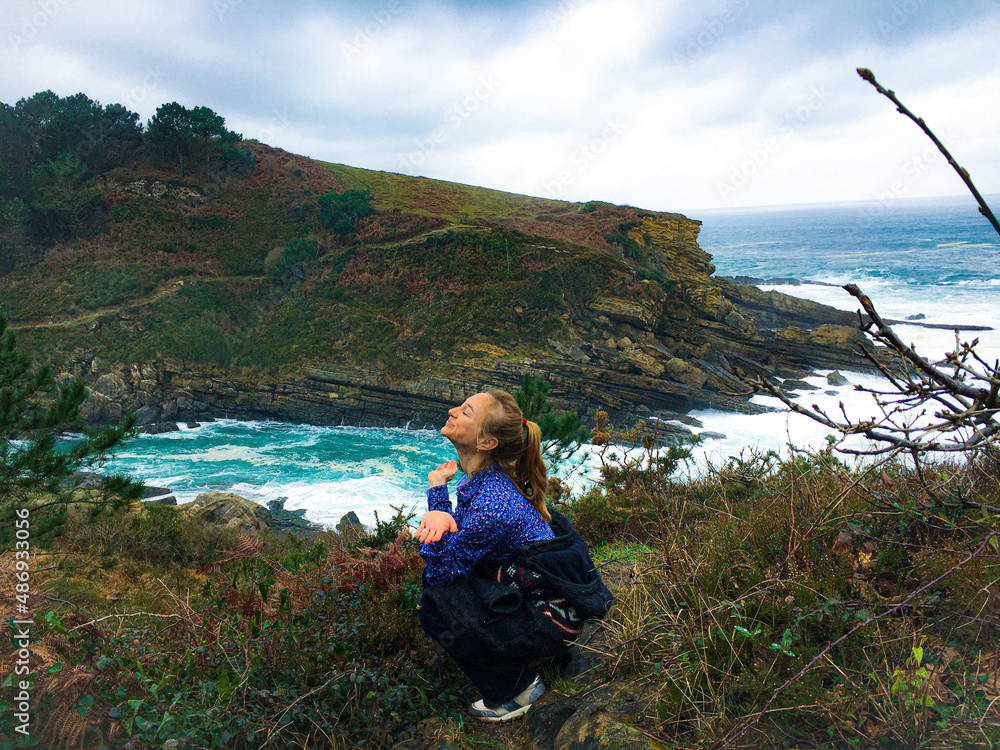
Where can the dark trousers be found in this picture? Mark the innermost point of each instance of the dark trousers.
(498, 679)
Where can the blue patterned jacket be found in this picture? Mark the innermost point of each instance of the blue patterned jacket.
(493, 520)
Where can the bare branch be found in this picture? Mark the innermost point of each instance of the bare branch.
(962, 172)
(954, 386)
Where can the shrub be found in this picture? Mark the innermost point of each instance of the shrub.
(160, 535)
(341, 211)
(287, 265)
(751, 573)
(315, 646)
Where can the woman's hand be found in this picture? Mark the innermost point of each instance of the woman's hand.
(435, 524)
(443, 474)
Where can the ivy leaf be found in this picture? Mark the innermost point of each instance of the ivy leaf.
(84, 705)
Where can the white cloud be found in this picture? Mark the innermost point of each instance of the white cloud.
(519, 96)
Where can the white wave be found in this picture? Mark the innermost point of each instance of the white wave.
(326, 502)
(167, 481)
(230, 453)
(975, 304)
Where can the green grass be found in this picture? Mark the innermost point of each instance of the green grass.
(722, 598)
(452, 201)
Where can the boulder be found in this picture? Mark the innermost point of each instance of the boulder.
(546, 721)
(792, 384)
(284, 521)
(350, 526)
(230, 510)
(649, 365)
(159, 495)
(841, 337)
(604, 351)
(636, 312)
(656, 346)
(591, 728)
(146, 415)
(83, 480)
(572, 351)
(686, 373)
(792, 333)
(709, 302)
(837, 379)
(164, 500)
(98, 408)
(739, 322)
(587, 721)
(110, 385)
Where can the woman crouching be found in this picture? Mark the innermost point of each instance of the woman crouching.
(507, 581)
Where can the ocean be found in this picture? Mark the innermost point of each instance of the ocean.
(938, 258)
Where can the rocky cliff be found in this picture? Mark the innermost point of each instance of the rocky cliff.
(189, 304)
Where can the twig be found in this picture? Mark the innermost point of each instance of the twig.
(911, 545)
(962, 172)
(821, 518)
(973, 722)
(643, 634)
(290, 706)
(64, 601)
(729, 739)
(154, 615)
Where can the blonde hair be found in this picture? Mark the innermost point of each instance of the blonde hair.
(519, 450)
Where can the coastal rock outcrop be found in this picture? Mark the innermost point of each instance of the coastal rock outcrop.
(229, 510)
(236, 512)
(681, 365)
(596, 719)
(616, 307)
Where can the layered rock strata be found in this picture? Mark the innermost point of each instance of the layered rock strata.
(661, 337)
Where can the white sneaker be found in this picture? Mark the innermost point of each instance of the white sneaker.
(516, 706)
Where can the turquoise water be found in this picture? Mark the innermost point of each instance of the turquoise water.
(329, 471)
(938, 258)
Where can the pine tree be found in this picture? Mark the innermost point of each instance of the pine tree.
(563, 434)
(37, 470)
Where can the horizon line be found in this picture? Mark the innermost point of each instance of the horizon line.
(853, 202)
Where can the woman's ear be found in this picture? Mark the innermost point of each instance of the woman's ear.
(487, 443)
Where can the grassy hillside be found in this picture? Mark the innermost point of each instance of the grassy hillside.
(191, 273)
(243, 287)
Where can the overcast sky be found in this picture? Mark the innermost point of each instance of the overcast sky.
(667, 105)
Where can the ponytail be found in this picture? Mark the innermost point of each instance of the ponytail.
(530, 473)
(519, 450)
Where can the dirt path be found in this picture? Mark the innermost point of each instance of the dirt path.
(167, 290)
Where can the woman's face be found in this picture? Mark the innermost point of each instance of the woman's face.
(465, 421)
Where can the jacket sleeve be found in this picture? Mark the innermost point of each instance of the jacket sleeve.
(457, 554)
(437, 498)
